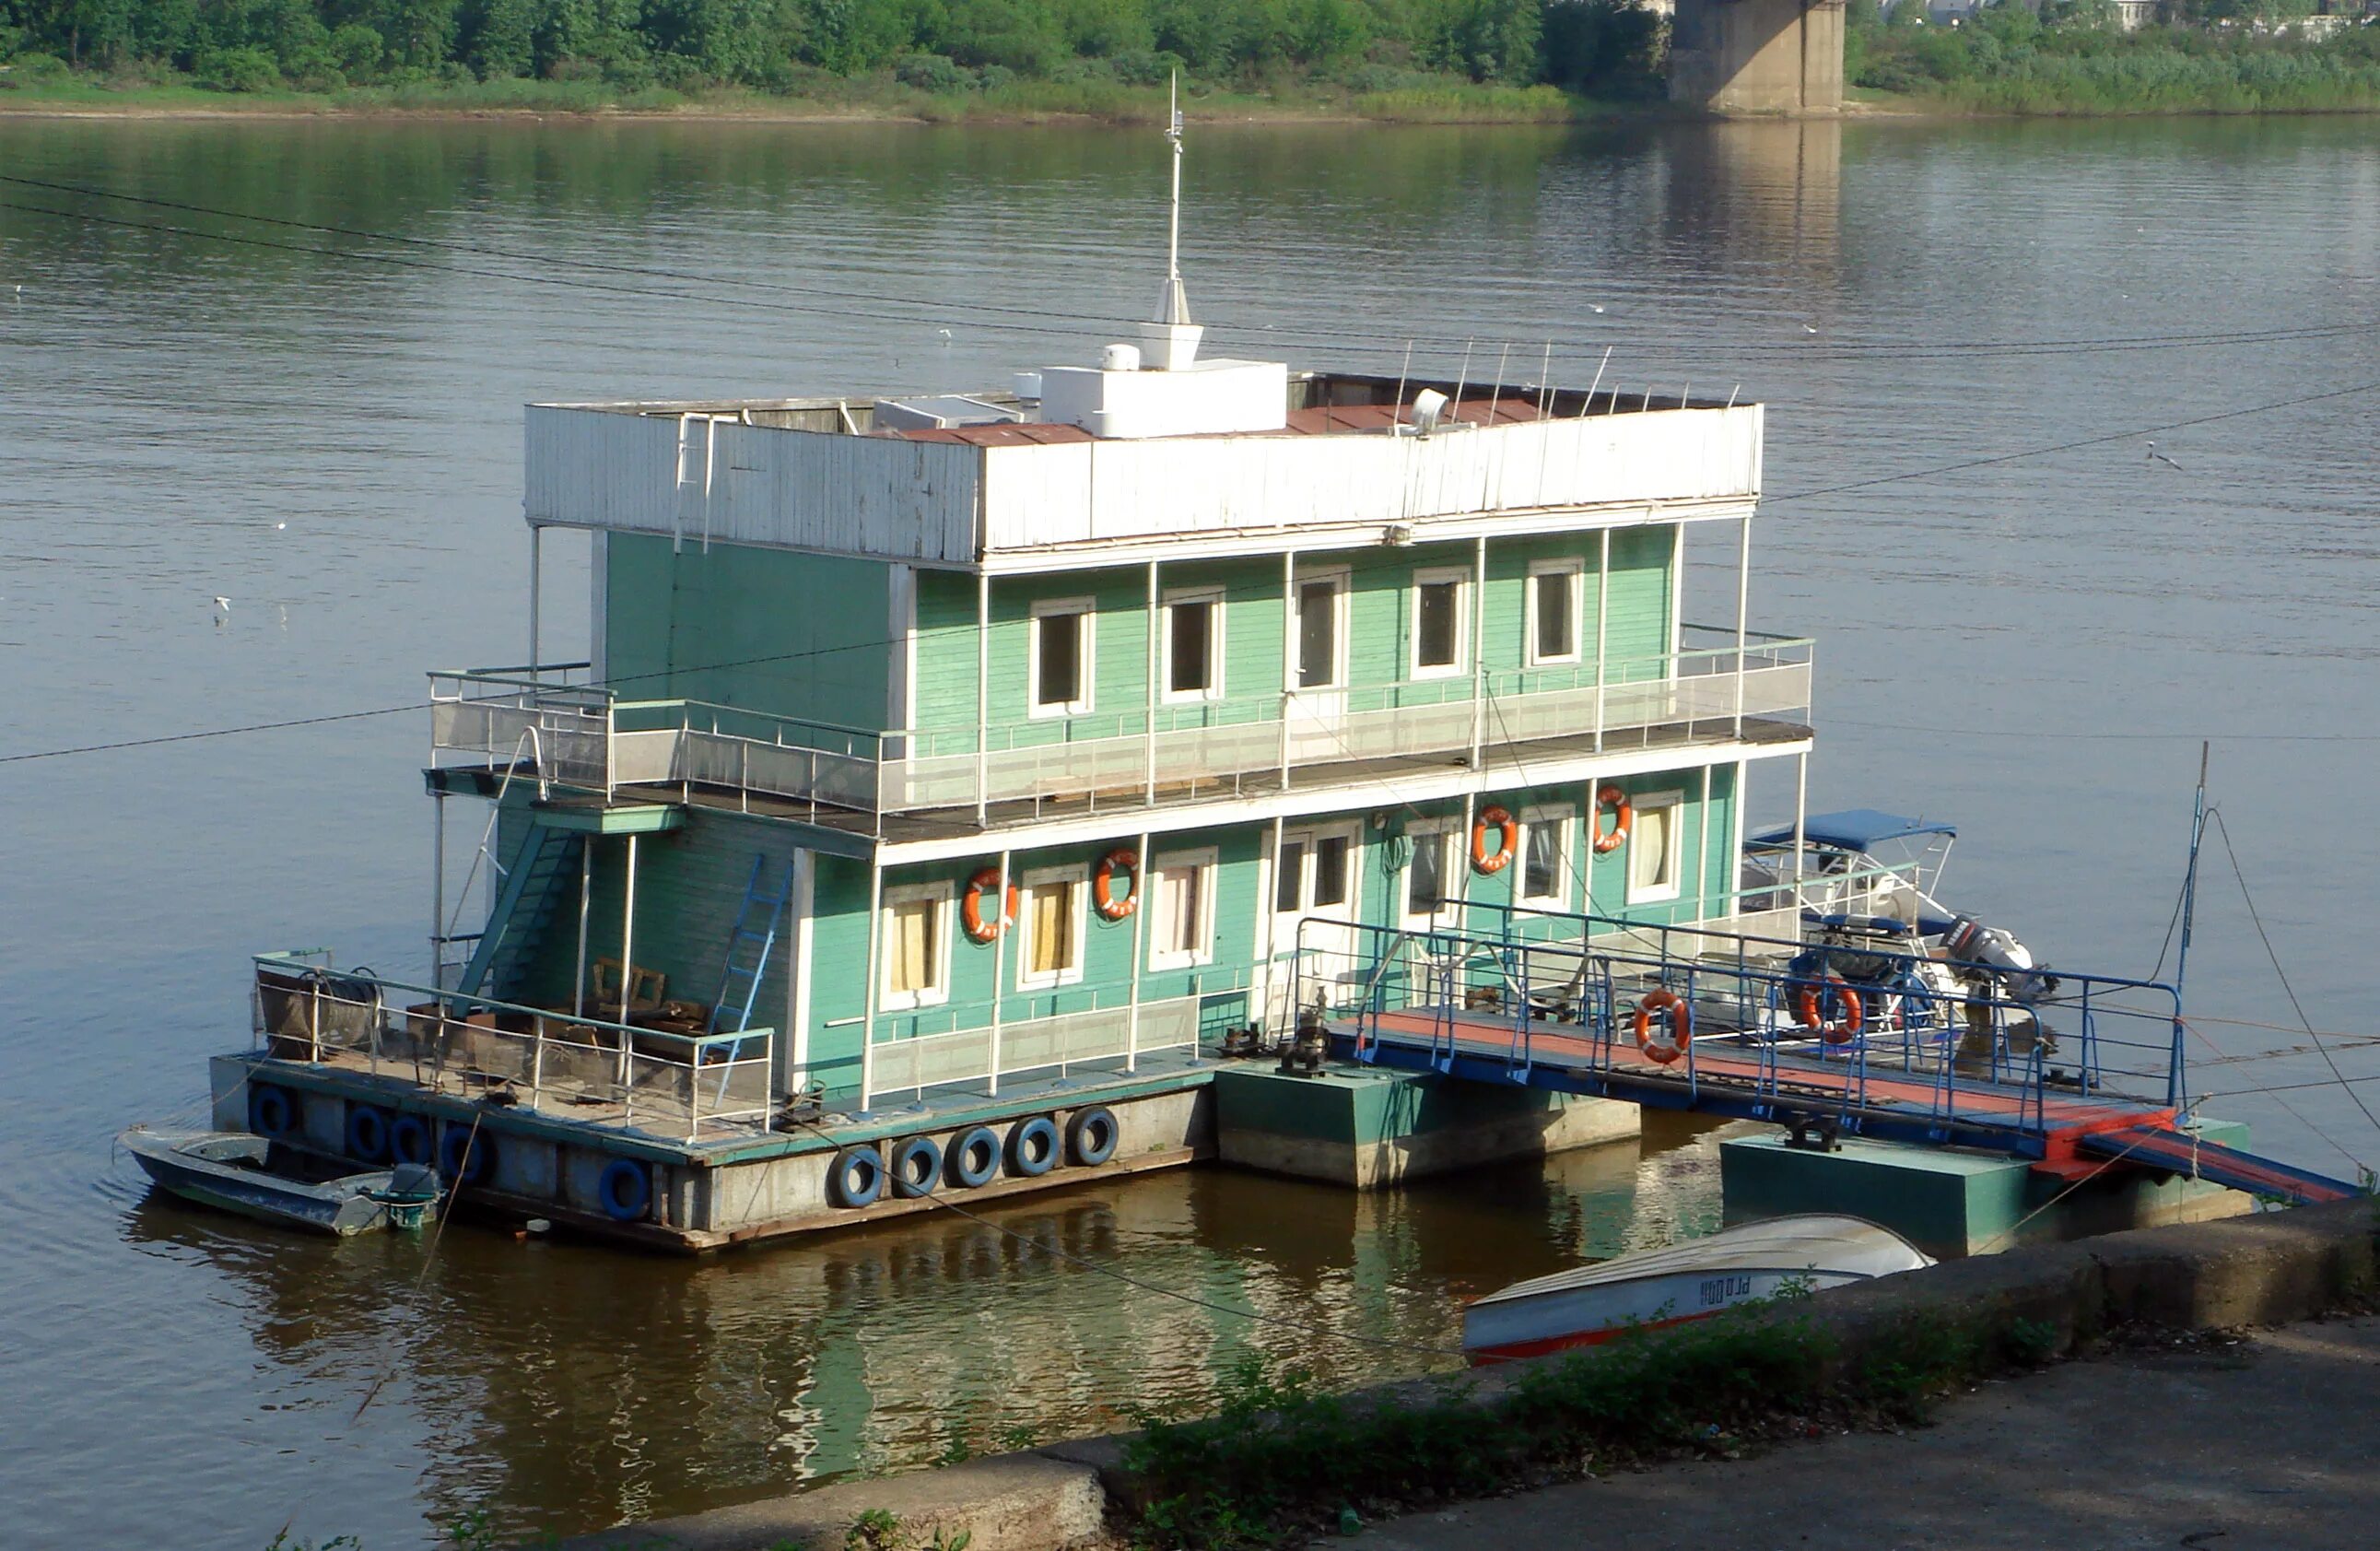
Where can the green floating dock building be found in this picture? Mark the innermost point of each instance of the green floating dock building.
(940, 765)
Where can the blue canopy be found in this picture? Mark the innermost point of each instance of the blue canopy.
(1854, 829)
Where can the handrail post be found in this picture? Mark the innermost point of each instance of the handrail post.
(983, 698)
(1743, 608)
(1602, 626)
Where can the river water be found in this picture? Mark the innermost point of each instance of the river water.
(330, 440)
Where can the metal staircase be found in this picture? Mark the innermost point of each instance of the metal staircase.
(542, 873)
(752, 938)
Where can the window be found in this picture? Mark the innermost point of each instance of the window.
(1332, 854)
(1061, 665)
(1050, 919)
(1545, 858)
(916, 946)
(1316, 871)
(1653, 849)
(1440, 624)
(1321, 624)
(1181, 916)
(1431, 876)
(1553, 611)
(1194, 646)
(1289, 877)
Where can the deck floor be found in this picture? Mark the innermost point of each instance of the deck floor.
(656, 1103)
(937, 824)
(1723, 1063)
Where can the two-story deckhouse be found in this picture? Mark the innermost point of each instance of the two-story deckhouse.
(1068, 710)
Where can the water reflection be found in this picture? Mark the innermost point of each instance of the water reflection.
(576, 1387)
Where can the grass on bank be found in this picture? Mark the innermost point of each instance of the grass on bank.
(2068, 57)
(1280, 1460)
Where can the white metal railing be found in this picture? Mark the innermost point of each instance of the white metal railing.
(588, 736)
(590, 1069)
(987, 1054)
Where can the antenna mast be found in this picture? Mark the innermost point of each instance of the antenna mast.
(1176, 305)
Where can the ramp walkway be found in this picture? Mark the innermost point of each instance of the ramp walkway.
(1892, 1042)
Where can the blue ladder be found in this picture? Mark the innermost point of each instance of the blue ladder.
(755, 942)
(542, 872)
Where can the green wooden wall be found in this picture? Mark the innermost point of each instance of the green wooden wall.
(806, 636)
(1381, 624)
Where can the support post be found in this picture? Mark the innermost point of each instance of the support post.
(1743, 614)
(1148, 752)
(1602, 627)
(1801, 819)
(535, 575)
(999, 965)
(1478, 648)
(1141, 909)
(586, 902)
(1702, 852)
(438, 891)
(868, 998)
(982, 695)
(627, 960)
(1288, 664)
(1270, 906)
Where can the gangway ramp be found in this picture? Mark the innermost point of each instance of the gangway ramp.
(1912, 1051)
(2171, 1151)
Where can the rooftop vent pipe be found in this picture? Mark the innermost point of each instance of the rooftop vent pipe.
(1428, 406)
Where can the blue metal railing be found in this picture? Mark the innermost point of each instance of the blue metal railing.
(1935, 1047)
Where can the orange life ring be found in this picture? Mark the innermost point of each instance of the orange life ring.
(1813, 1015)
(1103, 884)
(1508, 835)
(1612, 800)
(1677, 1025)
(971, 908)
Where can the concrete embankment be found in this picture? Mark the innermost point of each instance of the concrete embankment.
(2263, 1270)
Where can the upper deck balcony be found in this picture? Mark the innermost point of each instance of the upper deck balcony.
(920, 783)
(988, 482)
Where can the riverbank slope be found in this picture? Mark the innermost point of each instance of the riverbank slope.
(1283, 1462)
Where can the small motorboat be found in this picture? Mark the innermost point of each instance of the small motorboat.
(241, 1172)
(1689, 1281)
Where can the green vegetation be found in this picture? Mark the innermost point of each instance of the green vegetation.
(2073, 57)
(1500, 59)
(1441, 61)
(1280, 1460)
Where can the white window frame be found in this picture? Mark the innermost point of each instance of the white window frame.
(1086, 638)
(1042, 877)
(1169, 695)
(1204, 861)
(1436, 576)
(935, 994)
(1575, 569)
(1564, 820)
(1440, 831)
(1341, 580)
(1674, 800)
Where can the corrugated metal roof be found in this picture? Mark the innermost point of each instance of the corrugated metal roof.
(1337, 419)
(1320, 420)
(1007, 436)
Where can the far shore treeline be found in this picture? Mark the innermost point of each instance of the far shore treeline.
(1453, 59)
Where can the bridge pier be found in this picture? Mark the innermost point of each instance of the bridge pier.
(1757, 57)
(1369, 1128)
(1951, 1202)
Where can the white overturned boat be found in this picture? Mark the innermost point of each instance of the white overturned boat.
(239, 1171)
(1682, 1282)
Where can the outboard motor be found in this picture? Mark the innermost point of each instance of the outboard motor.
(1990, 947)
